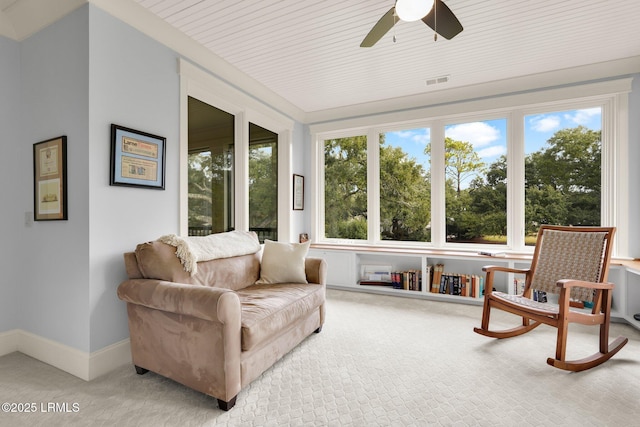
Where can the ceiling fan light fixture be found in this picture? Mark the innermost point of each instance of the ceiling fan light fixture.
(412, 10)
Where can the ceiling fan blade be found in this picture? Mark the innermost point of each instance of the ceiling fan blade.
(381, 28)
(442, 20)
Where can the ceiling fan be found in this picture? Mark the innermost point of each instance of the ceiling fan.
(437, 16)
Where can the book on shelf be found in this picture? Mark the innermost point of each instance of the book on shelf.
(371, 274)
(464, 285)
(409, 280)
(518, 286)
(492, 253)
(435, 281)
(374, 283)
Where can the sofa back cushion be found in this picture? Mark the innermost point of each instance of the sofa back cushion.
(157, 260)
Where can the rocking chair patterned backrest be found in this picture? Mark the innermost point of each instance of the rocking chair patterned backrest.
(562, 254)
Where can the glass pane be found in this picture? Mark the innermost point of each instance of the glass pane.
(210, 169)
(263, 182)
(345, 188)
(476, 182)
(405, 186)
(562, 169)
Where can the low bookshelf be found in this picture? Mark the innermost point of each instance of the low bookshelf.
(347, 264)
(454, 276)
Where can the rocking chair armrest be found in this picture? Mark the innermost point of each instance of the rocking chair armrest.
(570, 283)
(493, 268)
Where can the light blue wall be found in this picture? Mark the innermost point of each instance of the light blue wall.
(54, 256)
(12, 220)
(133, 83)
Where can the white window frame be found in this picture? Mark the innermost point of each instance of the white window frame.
(611, 96)
(201, 85)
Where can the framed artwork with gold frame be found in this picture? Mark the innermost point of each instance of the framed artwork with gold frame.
(50, 179)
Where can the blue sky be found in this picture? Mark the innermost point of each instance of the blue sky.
(489, 137)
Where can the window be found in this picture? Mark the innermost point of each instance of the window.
(563, 172)
(476, 182)
(405, 186)
(345, 188)
(263, 182)
(210, 169)
(221, 127)
(479, 178)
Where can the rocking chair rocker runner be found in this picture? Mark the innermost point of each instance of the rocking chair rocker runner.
(574, 263)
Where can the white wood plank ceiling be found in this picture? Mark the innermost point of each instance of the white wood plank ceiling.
(308, 50)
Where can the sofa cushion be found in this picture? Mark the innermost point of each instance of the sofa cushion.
(283, 262)
(268, 310)
(157, 260)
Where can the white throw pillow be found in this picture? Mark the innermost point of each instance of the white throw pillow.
(283, 262)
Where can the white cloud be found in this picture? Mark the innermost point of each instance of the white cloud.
(493, 151)
(479, 134)
(404, 134)
(422, 138)
(582, 117)
(544, 123)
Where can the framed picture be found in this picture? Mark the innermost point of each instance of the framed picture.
(298, 192)
(50, 179)
(137, 158)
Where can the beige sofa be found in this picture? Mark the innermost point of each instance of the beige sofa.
(217, 330)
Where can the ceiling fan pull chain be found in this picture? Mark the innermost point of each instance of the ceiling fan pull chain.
(394, 28)
(435, 21)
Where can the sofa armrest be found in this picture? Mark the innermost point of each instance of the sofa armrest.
(316, 270)
(208, 303)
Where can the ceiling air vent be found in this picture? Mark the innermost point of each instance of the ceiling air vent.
(437, 80)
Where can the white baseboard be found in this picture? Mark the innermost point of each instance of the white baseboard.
(86, 366)
(9, 341)
(107, 359)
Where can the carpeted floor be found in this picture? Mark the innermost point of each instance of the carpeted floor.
(379, 361)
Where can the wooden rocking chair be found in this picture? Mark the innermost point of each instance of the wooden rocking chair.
(574, 263)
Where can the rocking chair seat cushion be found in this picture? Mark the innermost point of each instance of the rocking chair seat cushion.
(543, 308)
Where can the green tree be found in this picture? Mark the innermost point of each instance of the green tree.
(544, 205)
(263, 186)
(461, 163)
(405, 196)
(564, 179)
(404, 192)
(489, 201)
(345, 192)
(209, 174)
(200, 177)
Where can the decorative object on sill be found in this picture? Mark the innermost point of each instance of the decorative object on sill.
(50, 179)
(137, 158)
(304, 237)
(298, 192)
(438, 17)
(637, 316)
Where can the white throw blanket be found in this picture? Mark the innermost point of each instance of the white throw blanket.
(192, 249)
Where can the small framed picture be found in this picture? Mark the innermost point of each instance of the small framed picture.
(50, 179)
(298, 192)
(304, 237)
(137, 158)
